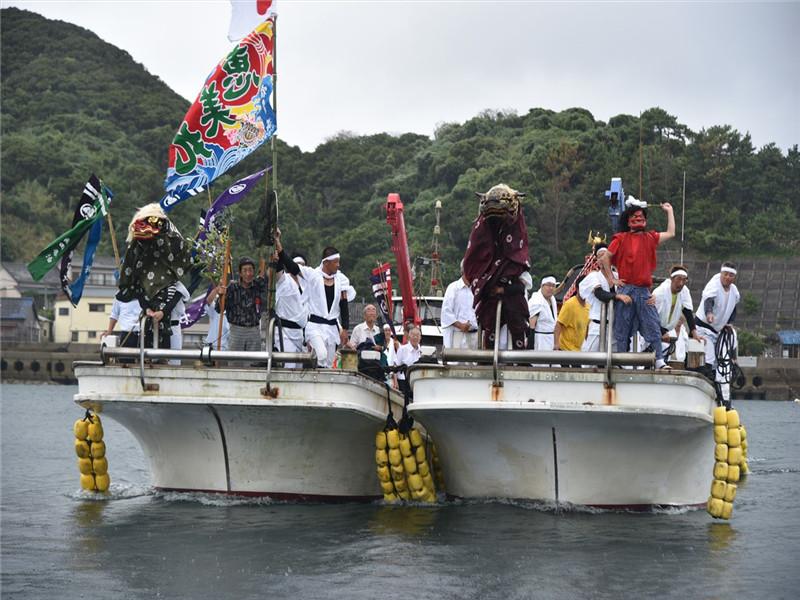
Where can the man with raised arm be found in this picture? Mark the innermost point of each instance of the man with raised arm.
(633, 252)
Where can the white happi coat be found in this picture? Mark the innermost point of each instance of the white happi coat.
(291, 306)
(724, 303)
(586, 289)
(457, 306)
(313, 284)
(667, 314)
(546, 313)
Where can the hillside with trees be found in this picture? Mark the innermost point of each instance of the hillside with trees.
(73, 104)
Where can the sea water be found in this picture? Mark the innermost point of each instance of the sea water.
(60, 542)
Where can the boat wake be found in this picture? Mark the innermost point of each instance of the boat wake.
(117, 491)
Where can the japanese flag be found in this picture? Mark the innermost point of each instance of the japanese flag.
(246, 15)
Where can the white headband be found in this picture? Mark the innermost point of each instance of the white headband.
(331, 257)
(728, 270)
(679, 273)
(299, 260)
(548, 280)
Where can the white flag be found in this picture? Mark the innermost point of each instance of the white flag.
(246, 15)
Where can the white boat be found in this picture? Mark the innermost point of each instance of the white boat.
(599, 436)
(305, 434)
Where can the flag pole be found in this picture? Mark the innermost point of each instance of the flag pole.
(113, 236)
(273, 146)
(683, 214)
(225, 270)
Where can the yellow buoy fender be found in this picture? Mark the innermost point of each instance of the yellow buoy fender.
(392, 497)
(720, 416)
(103, 482)
(405, 494)
(384, 474)
(398, 472)
(721, 470)
(715, 507)
(95, 418)
(423, 469)
(730, 492)
(415, 482)
(416, 437)
(395, 457)
(727, 510)
(85, 466)
(81, 429)
(720, 434)
(733, 473)
(743, 432)
(387, 487)
(721, 452)
(405, 447)
(734, 456)
(381, 457)
(393, 438)
(420, 454)
(87, 482)
(733, 419)
(428, 481)
(401, 486)
(98, 449)
(95, 432)
(380, 440)
(718, 489)
(734, 438)
(82, 448)
(410, 464)
(100, 466)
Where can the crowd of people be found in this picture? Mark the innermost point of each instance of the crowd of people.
(311, 303)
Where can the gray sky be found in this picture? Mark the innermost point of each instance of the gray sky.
(398, 67)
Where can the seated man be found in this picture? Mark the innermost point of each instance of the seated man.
(367, 332)
(407, 354)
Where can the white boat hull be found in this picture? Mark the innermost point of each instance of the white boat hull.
(213, 430)
(558, 435)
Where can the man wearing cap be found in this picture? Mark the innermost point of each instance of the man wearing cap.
(243, 302)
(596, 290)
(633, 252)
(542, 314)
(674, 301)
(717, 309)
(459, 323)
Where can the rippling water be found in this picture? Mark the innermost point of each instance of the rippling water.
(59, 542)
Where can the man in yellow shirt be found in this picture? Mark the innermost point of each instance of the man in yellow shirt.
(571, 325)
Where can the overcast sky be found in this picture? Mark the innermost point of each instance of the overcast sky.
(398, 67)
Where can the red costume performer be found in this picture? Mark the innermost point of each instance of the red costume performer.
(496, 256)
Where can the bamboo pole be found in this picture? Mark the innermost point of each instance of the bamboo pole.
(225, 273)
(683, 215)
(113, 237)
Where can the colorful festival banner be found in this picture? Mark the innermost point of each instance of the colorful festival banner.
(231, 117)
(66, 242)
(381, 280)
(247, 14)
(75, 291)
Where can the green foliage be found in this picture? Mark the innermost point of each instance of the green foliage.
(76, 105)
(750, 344)
(750, 304)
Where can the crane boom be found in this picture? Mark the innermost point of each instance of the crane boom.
(395, 219)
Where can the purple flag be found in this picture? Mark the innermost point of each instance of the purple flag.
(195, 310)
(229, 197)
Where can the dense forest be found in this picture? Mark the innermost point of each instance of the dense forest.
(73, 104)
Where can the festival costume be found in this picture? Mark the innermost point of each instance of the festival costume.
(290, 308)
(574, 320)
(588, 291)
(457, 306)
(723, 306)
(322, 329)
(156, 258)
(634, 255)
(496, 256)
(546, 313)
(670, 313)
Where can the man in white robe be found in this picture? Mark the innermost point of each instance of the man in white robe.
(543, 313)
(326, 291)
(290, 305)
(459, 323)
(717, 310)
(673, 303)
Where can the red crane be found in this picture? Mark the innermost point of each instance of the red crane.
(394, 217)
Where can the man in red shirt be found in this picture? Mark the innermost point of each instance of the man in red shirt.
(633, 252)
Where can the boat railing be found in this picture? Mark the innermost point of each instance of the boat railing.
(206, 355)
(606, 358)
